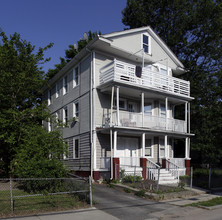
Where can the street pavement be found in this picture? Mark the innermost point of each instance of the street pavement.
(112, 204)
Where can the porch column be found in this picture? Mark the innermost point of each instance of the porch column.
(187, 157)
(114, 143)
(111, 156)
(166, 109)
(187, 150)
(186, 116)
(143, 144)
(116, 160)
(111, 108)
(142, 107)
(117, 104)
(166, 147)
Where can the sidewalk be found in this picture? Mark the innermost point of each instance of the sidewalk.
(81, 214)
(202, 196)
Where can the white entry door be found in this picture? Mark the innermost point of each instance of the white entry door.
(127, 151)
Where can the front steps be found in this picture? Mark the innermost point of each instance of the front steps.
(166, 177)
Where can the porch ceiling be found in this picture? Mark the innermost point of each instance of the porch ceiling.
(137, 132)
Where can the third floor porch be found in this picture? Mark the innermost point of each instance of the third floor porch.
(152, 77)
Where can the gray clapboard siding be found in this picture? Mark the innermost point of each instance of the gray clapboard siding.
(84, 162)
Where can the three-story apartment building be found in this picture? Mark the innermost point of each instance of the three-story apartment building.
(119, 97)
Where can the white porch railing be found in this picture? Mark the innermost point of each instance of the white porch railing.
(125, 73)
(173, 169)
(105, 163)
(152, 170)
(133, 119)
(129, 161)
(180, 162)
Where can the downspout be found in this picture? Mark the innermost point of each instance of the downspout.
(91, 110)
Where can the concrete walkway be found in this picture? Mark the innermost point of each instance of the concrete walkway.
(83, 214)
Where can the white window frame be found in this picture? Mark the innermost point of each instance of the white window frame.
(65, 85)
(74, 149)
(152, 148)
(49, 97)
(57, 90)
(152, 107)
(65, 119)
(148, 45)
(49, 126)
(160, 114)
(76, 113)
(74, 76)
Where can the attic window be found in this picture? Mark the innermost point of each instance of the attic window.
(146, 47)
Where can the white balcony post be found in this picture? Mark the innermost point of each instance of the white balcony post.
(117, 104)
(143, 144)
(166, 109)
(186, 116)
(166, 148)
(115, 144)
(111, 109)
(111, 149)
(142, 107)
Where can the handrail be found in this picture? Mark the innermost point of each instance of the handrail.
(152, 170)
(173, 168)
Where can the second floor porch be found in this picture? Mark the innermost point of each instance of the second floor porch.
(138, 120)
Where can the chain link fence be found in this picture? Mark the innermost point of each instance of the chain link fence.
(207, 178)
(21, 196)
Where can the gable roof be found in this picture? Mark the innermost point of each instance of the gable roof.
(155, 37)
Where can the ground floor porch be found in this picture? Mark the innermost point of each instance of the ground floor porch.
(141, 152)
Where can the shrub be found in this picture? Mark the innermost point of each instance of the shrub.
(140, 193)
(127, 190)
(130, 179)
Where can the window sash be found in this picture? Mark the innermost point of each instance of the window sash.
(76, 109)
(146, 43)
(65, 85)
(76, 76)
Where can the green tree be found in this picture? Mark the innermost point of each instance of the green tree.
(193, 31)
(70, 53)
(21, 107)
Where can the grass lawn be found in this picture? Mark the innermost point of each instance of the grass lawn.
(212, 202)
(37, 204)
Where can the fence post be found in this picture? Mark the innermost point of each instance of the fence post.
(11, 196)
(90, 190)
(191, 177)
(134, 175)
(209, 178)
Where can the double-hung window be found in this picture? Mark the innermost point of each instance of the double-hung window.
(49, 97)
(122, 103)
(57, 90)
(162, 110)
(146, 43)
(65, 85)
(148, 108)
(65, 115)
(76, 109)
(148, 148)
(76, 76)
